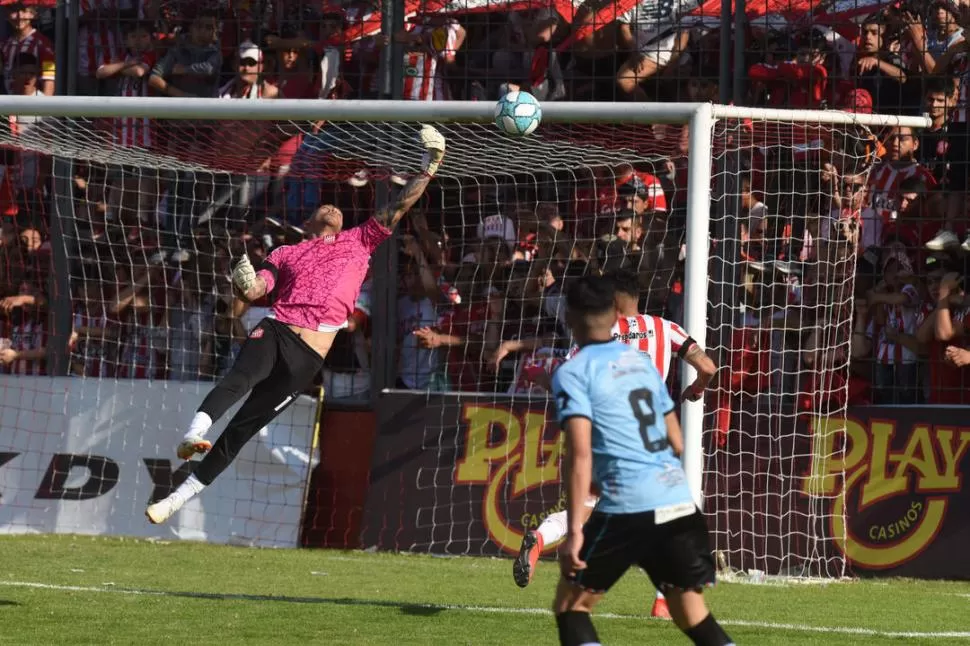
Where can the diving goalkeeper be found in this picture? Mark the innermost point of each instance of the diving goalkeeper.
(315, 284)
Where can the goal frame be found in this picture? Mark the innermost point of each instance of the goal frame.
(699, 117)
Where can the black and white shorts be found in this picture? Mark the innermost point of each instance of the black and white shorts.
(675, 554)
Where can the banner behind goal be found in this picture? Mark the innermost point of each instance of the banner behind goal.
(757, 263)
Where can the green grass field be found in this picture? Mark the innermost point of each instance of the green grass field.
(84, 590)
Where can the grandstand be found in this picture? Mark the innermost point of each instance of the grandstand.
(831, 444)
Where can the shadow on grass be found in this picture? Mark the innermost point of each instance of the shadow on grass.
(413, 609)
(5, 602)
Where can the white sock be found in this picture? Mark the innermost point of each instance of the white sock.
(660, 595)
(188, 490)
(553, 528)
(200, 424)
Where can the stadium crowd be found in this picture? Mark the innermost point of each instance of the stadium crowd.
(483, 262)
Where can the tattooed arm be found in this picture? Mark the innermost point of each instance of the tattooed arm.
(705, 367)
(391, 214)
(434, 145)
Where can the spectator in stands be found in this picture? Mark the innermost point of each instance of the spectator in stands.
(294, 73)
(940, 102)
(132, 192)
(249, 81)
(895, 304)
(23, 339)
(419, 366)
(519, 57)
(99, 42)
(346, 370)
(186, 322)
(191, 67)
(463, 329)
(885, 179)
(27, 40)
(429, 48)
(139, 307)
(944, 382)
(94, 354)
(879, 70)
(29, 171)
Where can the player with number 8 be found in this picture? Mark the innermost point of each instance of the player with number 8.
(617, 417)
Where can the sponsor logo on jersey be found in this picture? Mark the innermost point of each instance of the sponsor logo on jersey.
(257, 333)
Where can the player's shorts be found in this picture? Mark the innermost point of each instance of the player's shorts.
(675, 554)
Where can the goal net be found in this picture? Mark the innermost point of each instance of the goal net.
(470, 322)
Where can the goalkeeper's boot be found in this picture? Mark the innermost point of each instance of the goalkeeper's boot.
(190, 446)
(162, 510)
(660, 609)
(525, 563)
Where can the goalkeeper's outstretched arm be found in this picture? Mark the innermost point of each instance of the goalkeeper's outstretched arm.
(248, 285)
(434, 146)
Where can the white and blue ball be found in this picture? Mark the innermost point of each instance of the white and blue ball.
(518, 113)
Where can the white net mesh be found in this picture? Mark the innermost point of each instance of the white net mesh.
(781, 298)
(482, 262)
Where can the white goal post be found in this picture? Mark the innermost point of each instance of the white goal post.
(701, 157)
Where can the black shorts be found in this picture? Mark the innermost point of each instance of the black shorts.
(675, 554)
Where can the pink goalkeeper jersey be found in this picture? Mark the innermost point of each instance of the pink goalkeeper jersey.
(318, 281)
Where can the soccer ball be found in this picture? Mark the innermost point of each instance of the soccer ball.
(518, 113)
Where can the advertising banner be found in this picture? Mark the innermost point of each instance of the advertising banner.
(86, 456)
(470, 474)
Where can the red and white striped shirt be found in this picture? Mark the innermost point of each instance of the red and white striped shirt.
(99, 41)
(132, 131)
(35, 44)
(90, 351)
(421, 79)
(26, 334)
(654, 336)
(903, 319)
(528, 368)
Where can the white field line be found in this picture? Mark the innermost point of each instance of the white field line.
(835, 630)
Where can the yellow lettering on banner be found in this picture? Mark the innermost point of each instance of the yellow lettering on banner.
(948, 479)
(828, 466)
(475, 466)
(879, 485)
(540, 462)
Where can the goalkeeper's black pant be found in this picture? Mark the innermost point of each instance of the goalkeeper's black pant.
(277, 365)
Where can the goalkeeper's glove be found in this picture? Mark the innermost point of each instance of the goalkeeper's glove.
(244, 275)
(434, 146)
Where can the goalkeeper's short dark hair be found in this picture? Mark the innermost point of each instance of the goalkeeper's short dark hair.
(626, 282)
(590, 295)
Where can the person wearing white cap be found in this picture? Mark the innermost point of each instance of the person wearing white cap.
(248, 82)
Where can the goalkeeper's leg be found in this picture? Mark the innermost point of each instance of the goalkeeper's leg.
(296, 366)
(255, 362)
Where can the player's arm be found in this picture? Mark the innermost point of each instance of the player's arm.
(575, 415)
(250, 285)
(674, 433)
(434, 146)
(579, 471)
(695, 357)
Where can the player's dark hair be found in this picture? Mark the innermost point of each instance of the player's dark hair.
(590, 295)
(625, 282)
